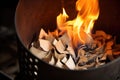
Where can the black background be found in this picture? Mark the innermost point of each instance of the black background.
(8, 46)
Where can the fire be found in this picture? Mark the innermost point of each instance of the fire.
(71, 45)
(79, 29)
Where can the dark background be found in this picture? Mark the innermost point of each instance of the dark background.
(7, 11)
(8, 46)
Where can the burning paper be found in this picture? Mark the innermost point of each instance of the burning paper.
(72, 45)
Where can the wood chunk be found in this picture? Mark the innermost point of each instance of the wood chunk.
(58, 56)
(54, 42)
(71, 51)
(42, 34)
(52, 61)
(59, 64)
(45, 44)
(64, 60)
(65, 39)
(60, 47)
(48, 57)
(38, 53)
(36, 44)
(56, 49)
(70, 63)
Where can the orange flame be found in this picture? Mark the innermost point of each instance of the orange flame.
(79, 29)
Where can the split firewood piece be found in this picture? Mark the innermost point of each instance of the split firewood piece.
(55, 41)
(59, 55)
(45, 45)
(52, 61)
(59, 46)
(64, 60)
(71, 51)
(59, 64)
(65, 39)
(48, 57)
(70, 63)
(42, 34)
(38, 53)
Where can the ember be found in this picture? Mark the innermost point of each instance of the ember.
(72, 45)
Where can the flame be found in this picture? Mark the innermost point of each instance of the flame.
(79, 29)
